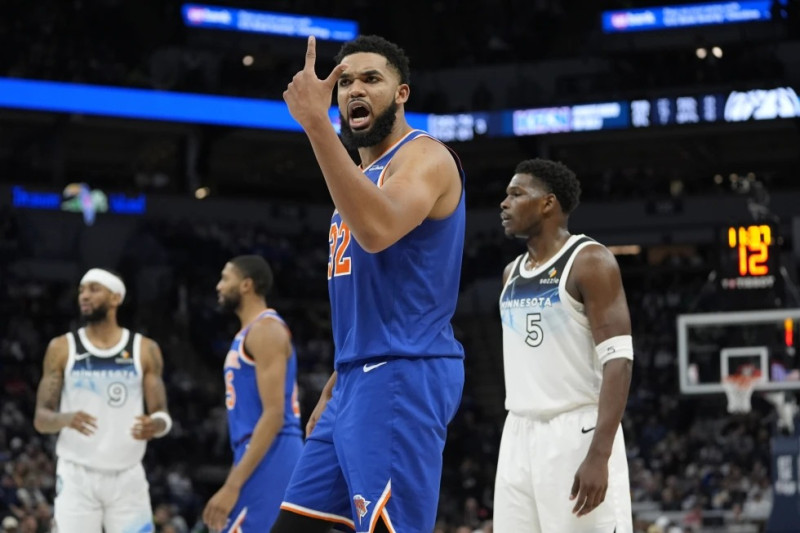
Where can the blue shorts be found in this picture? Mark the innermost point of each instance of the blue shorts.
(376, 451)
(261, 496)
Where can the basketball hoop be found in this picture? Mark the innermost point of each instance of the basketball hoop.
(739, 389)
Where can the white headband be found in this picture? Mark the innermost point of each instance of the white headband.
(107, 280)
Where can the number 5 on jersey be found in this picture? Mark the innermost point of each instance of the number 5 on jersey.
(339, 259)
(535, 333)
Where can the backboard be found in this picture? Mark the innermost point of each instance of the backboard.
(715, 346)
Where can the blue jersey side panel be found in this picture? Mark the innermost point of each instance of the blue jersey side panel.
(398, 302)
(241, 389)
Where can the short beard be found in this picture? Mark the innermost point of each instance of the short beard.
(381, 128)
(231, 303)
(96, 315)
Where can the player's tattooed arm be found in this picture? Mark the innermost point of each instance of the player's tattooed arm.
(48, 396)
(147, 427)
(155, 393)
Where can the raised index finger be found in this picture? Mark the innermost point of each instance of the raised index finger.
(311, 53)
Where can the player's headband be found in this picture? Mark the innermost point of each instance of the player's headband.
(107, 280)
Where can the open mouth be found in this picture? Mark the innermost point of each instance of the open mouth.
(359, 115)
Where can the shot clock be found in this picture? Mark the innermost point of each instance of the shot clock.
(753, 245)
(749, 258)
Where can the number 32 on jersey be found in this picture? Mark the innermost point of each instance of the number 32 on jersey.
(339, 258)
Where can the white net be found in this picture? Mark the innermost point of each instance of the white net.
(739, 390)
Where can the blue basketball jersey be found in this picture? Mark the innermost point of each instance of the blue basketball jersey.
(241, 389)
(397, 302)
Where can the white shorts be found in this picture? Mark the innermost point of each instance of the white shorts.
(89, 501)
(535, 472)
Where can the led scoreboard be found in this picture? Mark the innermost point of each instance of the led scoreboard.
(749, 257)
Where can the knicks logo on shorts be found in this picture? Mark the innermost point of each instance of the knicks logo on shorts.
(361, 506)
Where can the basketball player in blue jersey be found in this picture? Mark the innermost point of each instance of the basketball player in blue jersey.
(568, 353)
(373, 455)
(95, 384)
(260, 375)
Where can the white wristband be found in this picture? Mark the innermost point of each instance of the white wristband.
(617, 347)
(162, 415)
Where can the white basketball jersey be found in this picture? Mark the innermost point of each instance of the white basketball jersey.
(106, 384)
(548, 351)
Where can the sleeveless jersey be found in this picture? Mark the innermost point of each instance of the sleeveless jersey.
(550, 363)
(397, 302)
(241, 389)
(107, 384)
